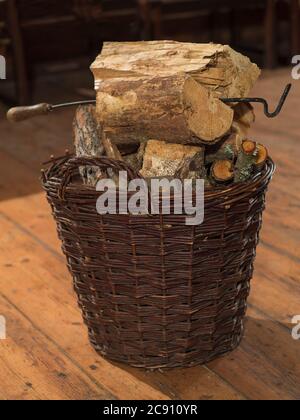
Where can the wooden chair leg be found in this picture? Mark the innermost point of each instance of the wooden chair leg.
(295, 21)
(270, 32)
(157, 21)
(21, 71)
(145, 13)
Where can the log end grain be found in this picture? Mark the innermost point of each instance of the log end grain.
(222, 171)
(208, 118)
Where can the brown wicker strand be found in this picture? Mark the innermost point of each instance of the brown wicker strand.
(154, 292)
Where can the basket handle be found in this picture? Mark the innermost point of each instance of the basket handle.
(70, 168)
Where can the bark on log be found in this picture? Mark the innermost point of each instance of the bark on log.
(246, 161)
(174, 109)
(87, 132)
(217, 67)
(88, 141)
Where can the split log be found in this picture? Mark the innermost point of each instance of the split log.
(218, 68)
(88, 141)
(245, 162)
(175, 109)
(222, 171)
(165, 159)
(87, 132)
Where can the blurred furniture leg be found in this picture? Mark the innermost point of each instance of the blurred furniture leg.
(21, 70)
(270, 33)
(145, 16)
(156, 12)
(295, 21)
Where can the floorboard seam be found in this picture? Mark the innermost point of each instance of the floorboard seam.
(91, 378)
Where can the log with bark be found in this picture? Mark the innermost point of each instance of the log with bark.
(218, 68)
(87, 133)
(171, 91)
(91, 141)
(246, 161)
(175, 109)
(222, 171)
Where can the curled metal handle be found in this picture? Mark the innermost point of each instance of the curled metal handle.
(22, 113)
(264, 102)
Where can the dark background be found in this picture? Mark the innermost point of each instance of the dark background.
(55, 39)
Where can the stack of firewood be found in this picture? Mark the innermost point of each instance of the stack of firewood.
(159, 109)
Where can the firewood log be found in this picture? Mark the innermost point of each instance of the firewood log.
(262, 156)
(175, 109)
(88, 141)
(222, 171)
(246, 160)
(249, 147)
(219, 68)
(87, 132)
(164, 159)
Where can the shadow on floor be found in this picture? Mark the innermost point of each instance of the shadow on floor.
(269, 365)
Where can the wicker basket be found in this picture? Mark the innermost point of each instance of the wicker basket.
(154, 292)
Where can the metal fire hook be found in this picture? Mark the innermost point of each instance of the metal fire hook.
(264, 102)
(23, 113)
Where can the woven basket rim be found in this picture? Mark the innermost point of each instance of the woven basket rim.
(59, 166)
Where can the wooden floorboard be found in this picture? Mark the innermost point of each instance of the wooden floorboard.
(33, 367)
(45, 278)
(47, 353)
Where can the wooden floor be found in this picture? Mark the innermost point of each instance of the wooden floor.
(47, 354)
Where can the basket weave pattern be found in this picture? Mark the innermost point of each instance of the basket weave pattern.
(154, 292)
